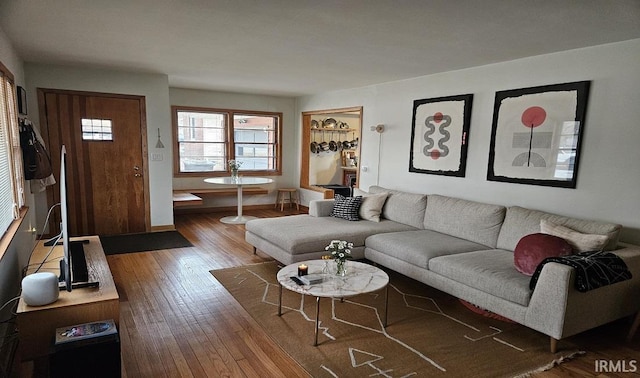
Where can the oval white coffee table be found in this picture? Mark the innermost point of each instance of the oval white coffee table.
(360, 279)
(238, 182)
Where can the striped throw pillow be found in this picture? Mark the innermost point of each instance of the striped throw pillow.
(346, 207)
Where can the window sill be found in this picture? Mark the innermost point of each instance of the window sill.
(8, 236)
(225, 174)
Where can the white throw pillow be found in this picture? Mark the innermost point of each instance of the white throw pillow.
(579, 242)
(371, 207)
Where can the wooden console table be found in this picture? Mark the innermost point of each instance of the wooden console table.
(37, 325)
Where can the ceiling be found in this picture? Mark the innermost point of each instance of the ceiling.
(298, 47)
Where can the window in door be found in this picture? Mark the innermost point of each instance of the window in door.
(97, 129)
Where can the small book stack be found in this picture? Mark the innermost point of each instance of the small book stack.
(85, 331)
(311, 279)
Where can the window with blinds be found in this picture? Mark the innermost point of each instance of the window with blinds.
(11, 175)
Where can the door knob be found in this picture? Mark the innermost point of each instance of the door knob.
(137, 175)
(136, 168)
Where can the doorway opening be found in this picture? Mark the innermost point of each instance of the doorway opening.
(331, 150)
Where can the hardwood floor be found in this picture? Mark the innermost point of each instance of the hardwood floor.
(177, 320)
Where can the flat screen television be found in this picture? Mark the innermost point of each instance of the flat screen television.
(73, 266)
(65, 263)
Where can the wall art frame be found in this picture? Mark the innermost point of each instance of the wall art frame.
(440, 135)
(22, 100)
(536, 134)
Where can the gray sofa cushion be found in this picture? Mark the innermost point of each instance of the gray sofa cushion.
(403, 207)
(321, 208)
(304, 233)
(490, 271)
(475, 221)
(520, 222)
(418, 247)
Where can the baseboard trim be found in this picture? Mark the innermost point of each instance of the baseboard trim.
(166, 227)
(203, 210)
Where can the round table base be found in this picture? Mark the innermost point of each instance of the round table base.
(236, 219)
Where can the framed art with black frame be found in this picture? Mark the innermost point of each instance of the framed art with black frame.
(440, 135)
(22, 100)
(537, 133)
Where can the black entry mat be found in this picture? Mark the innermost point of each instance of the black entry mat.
(150, 241)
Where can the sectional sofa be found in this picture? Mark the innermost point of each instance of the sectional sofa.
(466, 249)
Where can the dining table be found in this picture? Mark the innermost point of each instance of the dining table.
(238, 182)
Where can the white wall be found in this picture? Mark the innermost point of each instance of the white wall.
(9, 57)
(155, 88)
(17, 255)
(608, 185)
(239, 101)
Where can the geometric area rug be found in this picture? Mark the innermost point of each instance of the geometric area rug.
(429, 333)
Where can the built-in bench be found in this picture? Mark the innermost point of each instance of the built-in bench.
(191, 197)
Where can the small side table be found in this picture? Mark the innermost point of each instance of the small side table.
(281, 198)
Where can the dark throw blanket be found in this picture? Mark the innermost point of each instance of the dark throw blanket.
(593, 269)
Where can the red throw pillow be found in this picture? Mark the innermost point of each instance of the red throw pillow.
(533, 248)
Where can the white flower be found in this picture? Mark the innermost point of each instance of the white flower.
(234, 164)
(340, 249)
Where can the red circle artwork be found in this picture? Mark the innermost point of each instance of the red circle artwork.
(533, 116)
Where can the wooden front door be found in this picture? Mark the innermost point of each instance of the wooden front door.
(105, 139)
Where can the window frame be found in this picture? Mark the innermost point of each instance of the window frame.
(14, 158)
(230, 143)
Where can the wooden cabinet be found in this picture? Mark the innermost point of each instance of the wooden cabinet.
(38, 324)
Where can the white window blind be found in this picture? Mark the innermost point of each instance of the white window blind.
(11, 195)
